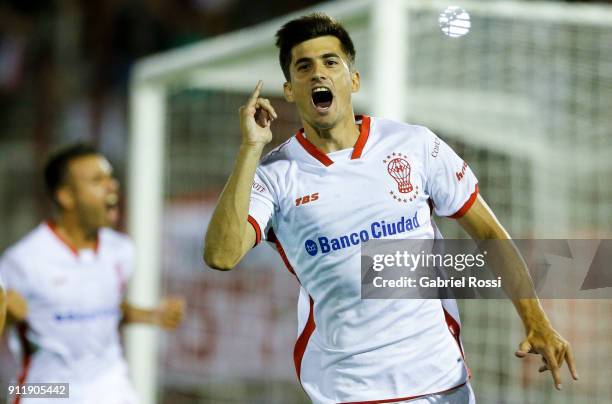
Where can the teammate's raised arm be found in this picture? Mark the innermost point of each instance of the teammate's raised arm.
(229, 235)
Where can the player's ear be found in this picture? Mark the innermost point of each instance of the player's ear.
(356, 81)
(64, 197)
(288, 91)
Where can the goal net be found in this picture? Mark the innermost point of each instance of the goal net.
(525, 98)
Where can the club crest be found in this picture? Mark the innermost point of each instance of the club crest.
(399, 169)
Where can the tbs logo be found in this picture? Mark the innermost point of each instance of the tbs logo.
(311, 247)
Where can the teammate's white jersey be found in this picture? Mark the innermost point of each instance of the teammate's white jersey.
(74, 297)
(318, 208)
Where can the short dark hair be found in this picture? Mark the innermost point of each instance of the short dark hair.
(308, 27)
(56, 167)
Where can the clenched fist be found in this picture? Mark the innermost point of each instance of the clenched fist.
(170, 312)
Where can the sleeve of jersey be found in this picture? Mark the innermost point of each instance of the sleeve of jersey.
(13, 276)
(451, 183)
(261, 206)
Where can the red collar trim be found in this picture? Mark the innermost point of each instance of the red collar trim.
(357, 149)
(363, 136)
(312, 149)
(53, 227)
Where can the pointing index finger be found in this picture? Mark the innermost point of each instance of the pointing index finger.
(255, 94)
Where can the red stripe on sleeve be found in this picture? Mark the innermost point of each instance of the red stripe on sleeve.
(467, 205)
(257, 229)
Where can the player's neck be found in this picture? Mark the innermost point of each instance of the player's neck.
(70, 228)
(342, 136)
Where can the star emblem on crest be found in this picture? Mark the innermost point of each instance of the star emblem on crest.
(392, 155)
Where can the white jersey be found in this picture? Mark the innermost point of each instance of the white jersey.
(318, 208)
(71, 333)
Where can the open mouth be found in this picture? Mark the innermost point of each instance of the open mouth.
(111, 201)
(322, 98)
(112, 209)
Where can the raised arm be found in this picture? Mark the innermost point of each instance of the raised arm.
(541, 338)
(229, 236)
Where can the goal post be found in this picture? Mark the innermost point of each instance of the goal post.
(525, 98)
(145, 173)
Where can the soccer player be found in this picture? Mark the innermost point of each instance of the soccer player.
(340, 181)
(66, 283)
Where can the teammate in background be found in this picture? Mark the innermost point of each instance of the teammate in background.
(341, 180)
(66, 283)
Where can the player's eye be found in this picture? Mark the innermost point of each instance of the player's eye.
(302, 67)
(332, 62)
